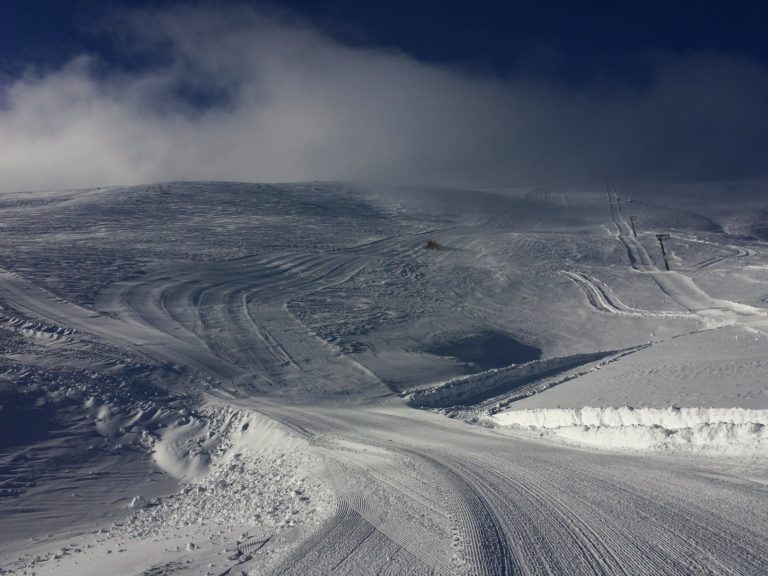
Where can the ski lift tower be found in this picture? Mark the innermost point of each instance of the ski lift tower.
(661, 238)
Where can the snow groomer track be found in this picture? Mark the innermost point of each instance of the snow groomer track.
(415, 492)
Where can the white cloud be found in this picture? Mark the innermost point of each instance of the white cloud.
(285, 103)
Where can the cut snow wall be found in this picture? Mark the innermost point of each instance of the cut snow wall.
(475, 388)
(730, 430)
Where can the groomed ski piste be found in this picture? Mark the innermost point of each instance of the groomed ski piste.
(220, 378)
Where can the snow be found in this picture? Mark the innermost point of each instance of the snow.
(732, 439)
(210, 378)
(248, 480)
(672, 418)
(736, 431)
(720, 368)
(182, 451)
(520, 380)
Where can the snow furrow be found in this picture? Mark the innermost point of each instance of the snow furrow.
(602, 299)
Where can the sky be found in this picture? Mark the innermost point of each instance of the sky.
(112, 92)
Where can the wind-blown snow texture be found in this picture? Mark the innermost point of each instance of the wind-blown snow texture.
(212, 378)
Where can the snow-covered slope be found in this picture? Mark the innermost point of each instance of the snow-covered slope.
(217, 377)
(723, 366)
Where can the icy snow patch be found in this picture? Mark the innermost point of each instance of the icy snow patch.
(731, 430)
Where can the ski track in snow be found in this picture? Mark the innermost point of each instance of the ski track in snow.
(602, 298)
(714, 311)
(736, 252)
(413, 492)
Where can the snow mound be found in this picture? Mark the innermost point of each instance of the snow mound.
(729, 430)
(256, 474)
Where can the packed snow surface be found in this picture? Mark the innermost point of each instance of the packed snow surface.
(220, 378)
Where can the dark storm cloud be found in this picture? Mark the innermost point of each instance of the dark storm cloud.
(237, 95)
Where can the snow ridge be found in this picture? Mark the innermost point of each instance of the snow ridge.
(475, 388)
(731, 430)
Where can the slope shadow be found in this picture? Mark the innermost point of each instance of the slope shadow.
(486, 350)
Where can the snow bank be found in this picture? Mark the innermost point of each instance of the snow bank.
(256, 474)
(732, 430)
(672, 418)
(718, 437)
(475, 388)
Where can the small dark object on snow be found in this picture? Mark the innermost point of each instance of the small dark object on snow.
(432, 245)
